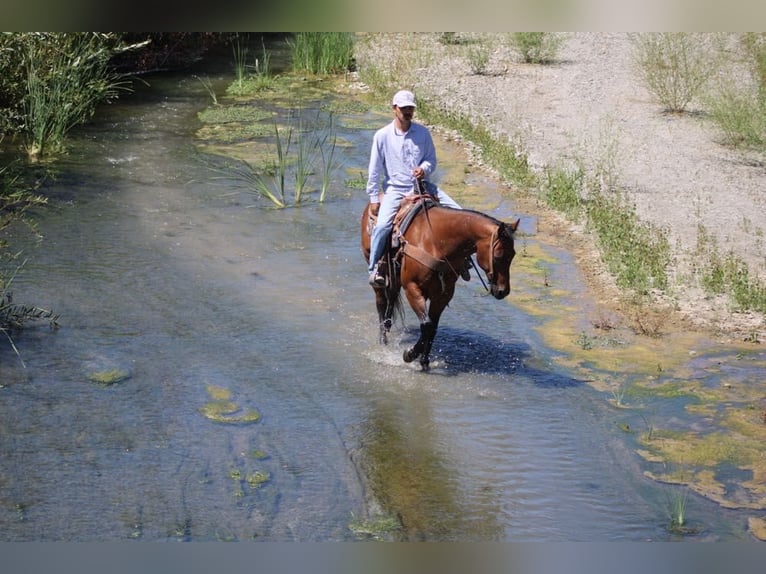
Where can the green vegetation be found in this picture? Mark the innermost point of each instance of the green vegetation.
(636, 253)
(536, 47)
(377, 527)
(739, 108)
(674, 66)
(301, 152)
(728, 274)
(109, 377)
(478, 54)
(55, 81)
(222, 409)
(250, 78)
(676, 510)
(322, 52)
(15, 202)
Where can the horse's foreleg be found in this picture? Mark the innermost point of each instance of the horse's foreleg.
(423, 346)
(417, 349)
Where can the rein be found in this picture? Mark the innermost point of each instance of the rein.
(441, 265)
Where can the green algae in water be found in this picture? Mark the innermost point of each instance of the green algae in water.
(257, 479)
(223, 410)
(109, 377)
(375, 527)
(232, 114)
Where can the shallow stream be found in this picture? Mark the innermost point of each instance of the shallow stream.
(242, 392)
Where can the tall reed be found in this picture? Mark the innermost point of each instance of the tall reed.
(67, 76)
(298, 148)
(322, 52)
(239, 48)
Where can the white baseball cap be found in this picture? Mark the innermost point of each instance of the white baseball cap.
(404, 98)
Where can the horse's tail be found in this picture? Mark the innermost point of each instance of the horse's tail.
(395, 304)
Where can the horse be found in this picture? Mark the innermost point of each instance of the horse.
(426, 265)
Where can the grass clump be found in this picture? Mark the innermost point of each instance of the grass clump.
(478, 54)
(536, 47)
(738, 108)
(322, 52)
(674, 66)
(729, 274)
(636, 253)
(561, 191)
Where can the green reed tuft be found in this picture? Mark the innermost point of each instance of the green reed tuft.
(322, 52)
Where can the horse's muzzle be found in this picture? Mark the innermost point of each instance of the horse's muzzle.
(499, 293)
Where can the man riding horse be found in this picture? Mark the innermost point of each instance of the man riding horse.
(403, 156)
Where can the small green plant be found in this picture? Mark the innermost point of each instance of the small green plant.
(13, 316)
(208, 85)
(327, 142)
(675, 507)
(673, 65)
(450, 38)
(585, 341)
(358, 182)
(478, 54)
(375, 528)
(561, 190)
(240, 50)
(618, 395)
(536, 47)
(258, 478)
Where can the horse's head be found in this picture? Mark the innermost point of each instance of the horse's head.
(495, 256)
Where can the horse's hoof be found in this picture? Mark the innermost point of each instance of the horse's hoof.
(408, 356)
(425, 366)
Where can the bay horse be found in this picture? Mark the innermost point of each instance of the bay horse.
(427, 264)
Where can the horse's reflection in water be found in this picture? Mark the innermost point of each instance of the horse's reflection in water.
(427, 265)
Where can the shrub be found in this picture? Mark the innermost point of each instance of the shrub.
(673, 65)
(536, 47)
(478, 54)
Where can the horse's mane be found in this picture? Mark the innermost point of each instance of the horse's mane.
(494, 220)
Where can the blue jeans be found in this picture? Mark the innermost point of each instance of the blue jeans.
(388, 208)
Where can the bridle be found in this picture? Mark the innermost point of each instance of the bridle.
(493, 240)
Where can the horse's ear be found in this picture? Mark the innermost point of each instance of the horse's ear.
(515, 225)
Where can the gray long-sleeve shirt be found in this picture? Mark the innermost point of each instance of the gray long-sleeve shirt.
(394, 155)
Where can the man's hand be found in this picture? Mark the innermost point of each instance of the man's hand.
(418, 173)
(374, 208)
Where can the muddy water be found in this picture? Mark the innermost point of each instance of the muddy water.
(252, 400)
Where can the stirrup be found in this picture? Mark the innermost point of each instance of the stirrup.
(377, 279)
